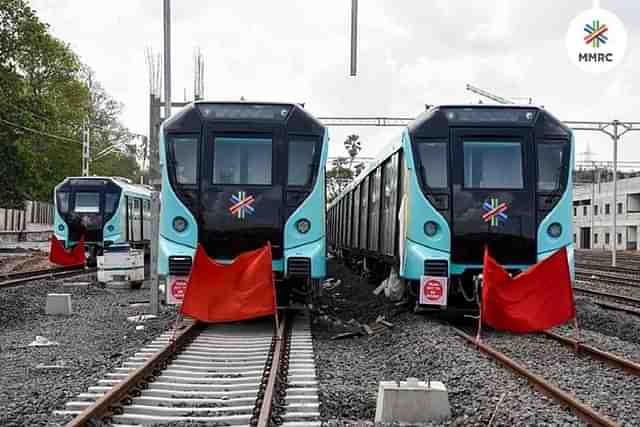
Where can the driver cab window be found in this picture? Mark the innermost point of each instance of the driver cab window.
(550, 166)
(185, 159)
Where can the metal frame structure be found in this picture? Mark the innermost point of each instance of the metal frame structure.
(615, 129)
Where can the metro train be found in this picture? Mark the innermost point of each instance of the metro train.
(459, 178)
(236, 175)
(105, 210)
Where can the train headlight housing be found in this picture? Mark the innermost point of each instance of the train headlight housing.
(180, 224)
(430, 228)
(60, 227)
(303, 226)
(110, 228)
(554, 230)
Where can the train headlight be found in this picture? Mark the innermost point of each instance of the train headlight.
(303, 226)
(110, 228)
(61, 227)
(430, 228)
(554, 230)
(180, 224)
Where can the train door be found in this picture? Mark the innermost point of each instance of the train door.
(493, 195)
(242, 191)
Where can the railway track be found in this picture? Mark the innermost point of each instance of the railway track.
(582, 410)
(625, 299)
(245, 373)
(14, 279)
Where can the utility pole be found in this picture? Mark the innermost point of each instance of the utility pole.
(86, 149)
(354, 36)
(154, 158)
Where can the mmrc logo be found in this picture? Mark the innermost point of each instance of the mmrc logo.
(494, 211)
(596, 40)
(595, 34)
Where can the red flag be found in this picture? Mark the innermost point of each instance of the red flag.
(61, 256)
(538, 299)
(241, 290)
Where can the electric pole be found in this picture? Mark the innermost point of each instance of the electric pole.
(86, 149)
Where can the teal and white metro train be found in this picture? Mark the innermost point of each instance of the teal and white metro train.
(458, 179)
(103, 210)
(236, 175)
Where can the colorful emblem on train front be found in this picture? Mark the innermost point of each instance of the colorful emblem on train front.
(241, 204)
(494, 211)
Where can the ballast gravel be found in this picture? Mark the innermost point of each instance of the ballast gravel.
(95, 339)
(610, 391)
(418, 346)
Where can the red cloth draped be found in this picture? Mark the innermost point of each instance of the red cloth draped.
(61, 256)
(241, 290)
(538, 299)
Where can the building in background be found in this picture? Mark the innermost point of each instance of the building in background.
(593, 208)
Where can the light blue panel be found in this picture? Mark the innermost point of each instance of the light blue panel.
(172, 207)
(415, 255)
(419, 211)
(168, 248)
(117, 221)
(57, 221)
(313, 243)
(561, 213)
(316, 251)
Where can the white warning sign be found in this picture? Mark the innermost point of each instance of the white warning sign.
(433, 290)
(176, 287)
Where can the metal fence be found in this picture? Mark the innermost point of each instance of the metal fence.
(34, 217)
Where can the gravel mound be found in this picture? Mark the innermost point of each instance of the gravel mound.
(349, 370)
(34, 381)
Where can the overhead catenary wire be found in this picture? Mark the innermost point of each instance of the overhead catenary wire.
(39, 132)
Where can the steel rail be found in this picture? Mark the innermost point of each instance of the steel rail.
(28, 276)
(582, 411)
(618, 297)
(264, 417)
(103, 406)
(610, 358)
(628, 310)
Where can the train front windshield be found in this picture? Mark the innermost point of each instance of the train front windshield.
(87, 202)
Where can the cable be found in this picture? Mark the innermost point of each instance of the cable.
(17, 126)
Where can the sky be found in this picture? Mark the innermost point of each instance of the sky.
(410, 53)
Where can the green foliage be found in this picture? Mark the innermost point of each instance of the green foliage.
(344, 169)
(45, 88)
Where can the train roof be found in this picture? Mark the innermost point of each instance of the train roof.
(121, 182)
(551, 125)
(194, 115)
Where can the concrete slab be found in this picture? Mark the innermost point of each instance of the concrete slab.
(412, 402)
(58, 304)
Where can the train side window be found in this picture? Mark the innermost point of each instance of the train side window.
(301, 161)
(185, 159)
(63, 202)
(550, 166)
(433, 163)
(146, 208)
(244, 161)
(111, 202)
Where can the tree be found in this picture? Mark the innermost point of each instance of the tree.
(46, 97)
